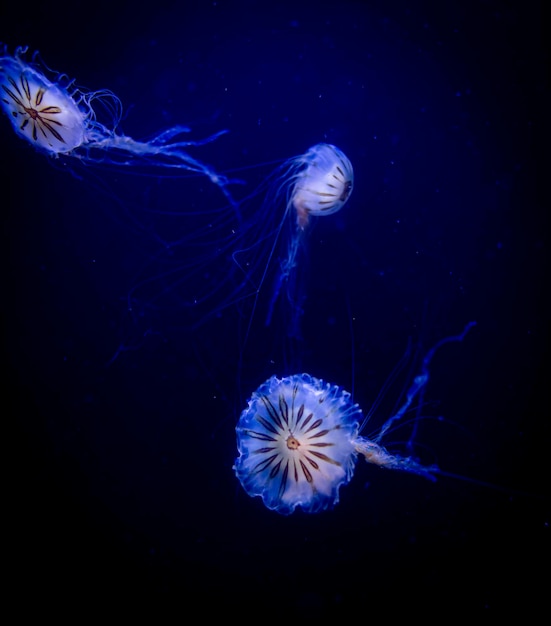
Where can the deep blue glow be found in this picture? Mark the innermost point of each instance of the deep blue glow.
(127, 469)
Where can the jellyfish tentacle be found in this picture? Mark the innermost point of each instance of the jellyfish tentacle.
(286, 268)
(378, 455)
(420, 382)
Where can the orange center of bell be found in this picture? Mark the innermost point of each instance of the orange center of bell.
(292, 443)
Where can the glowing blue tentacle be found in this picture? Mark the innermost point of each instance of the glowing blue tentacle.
(167, 135)
(420, 382)
(122, 150)
(286, 268)
(378, 455)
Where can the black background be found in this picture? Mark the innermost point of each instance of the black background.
(118, 478)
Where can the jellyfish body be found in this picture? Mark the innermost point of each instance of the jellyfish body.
(296, 443)
(244, 257)
(59, 119)
(323, 184)
(39, 110)
(299, 437)
(316, 183)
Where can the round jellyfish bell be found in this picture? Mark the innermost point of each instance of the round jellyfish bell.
(323, 183)
(39, 110)
(296, 443)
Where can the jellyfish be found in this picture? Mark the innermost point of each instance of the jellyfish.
(316, 183)
(299, 438)
(244, 260)
(60, 119)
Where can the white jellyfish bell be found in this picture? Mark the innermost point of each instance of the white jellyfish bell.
(323, 183)
(39, 111)
(296, 443)
(58, 118)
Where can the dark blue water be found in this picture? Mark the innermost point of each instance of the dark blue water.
(120, 438)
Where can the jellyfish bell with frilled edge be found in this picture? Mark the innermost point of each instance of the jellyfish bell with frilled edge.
(41, 113)
(324, 184)
(296, 443)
